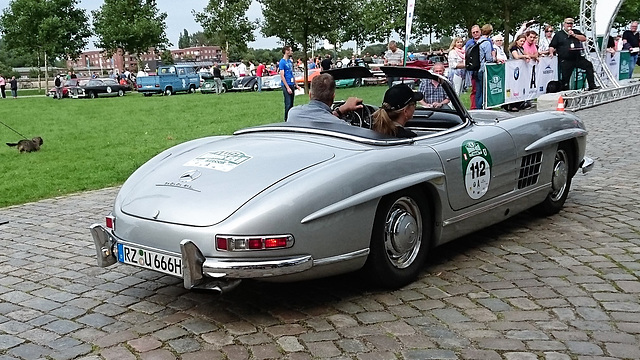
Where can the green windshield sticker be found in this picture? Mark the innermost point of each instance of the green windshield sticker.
(476, 168)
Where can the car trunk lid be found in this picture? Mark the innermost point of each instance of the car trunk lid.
(206, 184)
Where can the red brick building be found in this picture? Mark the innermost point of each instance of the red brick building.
(96, 60)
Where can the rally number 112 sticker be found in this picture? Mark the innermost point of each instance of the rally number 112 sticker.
(476, 168)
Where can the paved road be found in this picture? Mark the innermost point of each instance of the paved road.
(563, 287)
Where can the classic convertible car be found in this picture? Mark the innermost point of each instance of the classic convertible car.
(301, 200)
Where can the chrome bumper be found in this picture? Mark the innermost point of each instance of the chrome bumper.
(586, 165)
(207, 273)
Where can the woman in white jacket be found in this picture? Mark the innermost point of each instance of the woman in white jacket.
(457, 72)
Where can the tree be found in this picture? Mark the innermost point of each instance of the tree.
(225, 22)
(298, 24)
(134, 26)
(628, 12)
(185, 40)
(45, 29)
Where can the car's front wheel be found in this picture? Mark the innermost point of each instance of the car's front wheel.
(560, 182)
(168, 92)
(92, 95)
(192, 89)
(400, 239)
(120, 92)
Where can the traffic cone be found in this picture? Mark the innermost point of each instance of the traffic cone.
(560, 104)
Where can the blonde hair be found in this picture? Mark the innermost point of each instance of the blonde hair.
(383, 119)
(454, 41)
(486, 29)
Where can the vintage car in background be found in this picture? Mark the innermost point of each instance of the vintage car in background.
(68, 88)
(305, 199)
(208, 84)
(94, 88)
(271, 82)
(169, 80)
(249, 82)
(299, 76)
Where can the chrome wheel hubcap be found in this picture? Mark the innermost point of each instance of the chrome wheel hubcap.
(403, 232)
(560, 175)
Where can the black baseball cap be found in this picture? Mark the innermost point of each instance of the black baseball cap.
(399, 96)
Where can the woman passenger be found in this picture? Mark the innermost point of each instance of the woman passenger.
(397, 108)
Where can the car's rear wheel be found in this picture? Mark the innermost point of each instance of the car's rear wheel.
(357, 82)
(560, 182)
(120, 92)
(192, 89)
(400, 239)
(92, 95)
(254, 87)
(168, 92)
(224, 88)
(146, 94)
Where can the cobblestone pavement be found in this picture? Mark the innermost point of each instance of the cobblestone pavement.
(556, 288)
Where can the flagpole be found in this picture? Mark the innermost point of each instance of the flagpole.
(410, 7)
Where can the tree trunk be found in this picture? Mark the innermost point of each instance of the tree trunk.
(305, 47)
(46, 72)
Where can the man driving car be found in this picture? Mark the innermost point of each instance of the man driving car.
(321, 97)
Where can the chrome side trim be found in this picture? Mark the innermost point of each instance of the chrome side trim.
(342, 257)
(494, 205)
(305, 130)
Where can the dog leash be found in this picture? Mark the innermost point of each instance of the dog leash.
(10, 128)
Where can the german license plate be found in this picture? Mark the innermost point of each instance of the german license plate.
(148, 259)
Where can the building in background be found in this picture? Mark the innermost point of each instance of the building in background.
(96, 61)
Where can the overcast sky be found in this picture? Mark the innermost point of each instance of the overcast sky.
(179, 17)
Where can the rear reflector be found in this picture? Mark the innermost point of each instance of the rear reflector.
(110, 222)
(239, 243)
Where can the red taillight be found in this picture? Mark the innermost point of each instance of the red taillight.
(238, 243)
(157, 85)
(109, 222)
(255, 244)
(139, 86)
(271, 243)
(222, 243)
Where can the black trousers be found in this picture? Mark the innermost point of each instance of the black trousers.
(2, 91)
(567, 67)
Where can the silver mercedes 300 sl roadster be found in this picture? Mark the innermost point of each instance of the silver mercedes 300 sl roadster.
(302, 200)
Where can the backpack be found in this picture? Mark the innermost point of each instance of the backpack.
(58, 82)
(472, 57)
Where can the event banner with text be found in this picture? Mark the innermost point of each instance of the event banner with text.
(518, 80)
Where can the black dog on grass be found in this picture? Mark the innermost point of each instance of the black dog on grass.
(25, 145)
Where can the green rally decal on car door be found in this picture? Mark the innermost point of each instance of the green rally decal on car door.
(476, 168)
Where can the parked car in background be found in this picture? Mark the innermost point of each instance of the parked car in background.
(305, 199)
(271, 82)
(209, 85)
(249, 82)
(68, 88)
(101, 87)
(169, 80)
(299, 76)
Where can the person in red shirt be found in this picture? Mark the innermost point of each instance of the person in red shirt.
(259, 73)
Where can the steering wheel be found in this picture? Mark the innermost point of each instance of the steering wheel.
(360, 117)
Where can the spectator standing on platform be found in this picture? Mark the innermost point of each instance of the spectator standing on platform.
(14, 87)
(487, 55)
(529, 46)
(475, 37)
(545, 40)
(568, 44)
(631, 42)
(457, 72)
(287, 79)
(260, 73)
(393, 57)
(498, 47)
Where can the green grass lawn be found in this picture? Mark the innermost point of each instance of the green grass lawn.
(92, 144)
